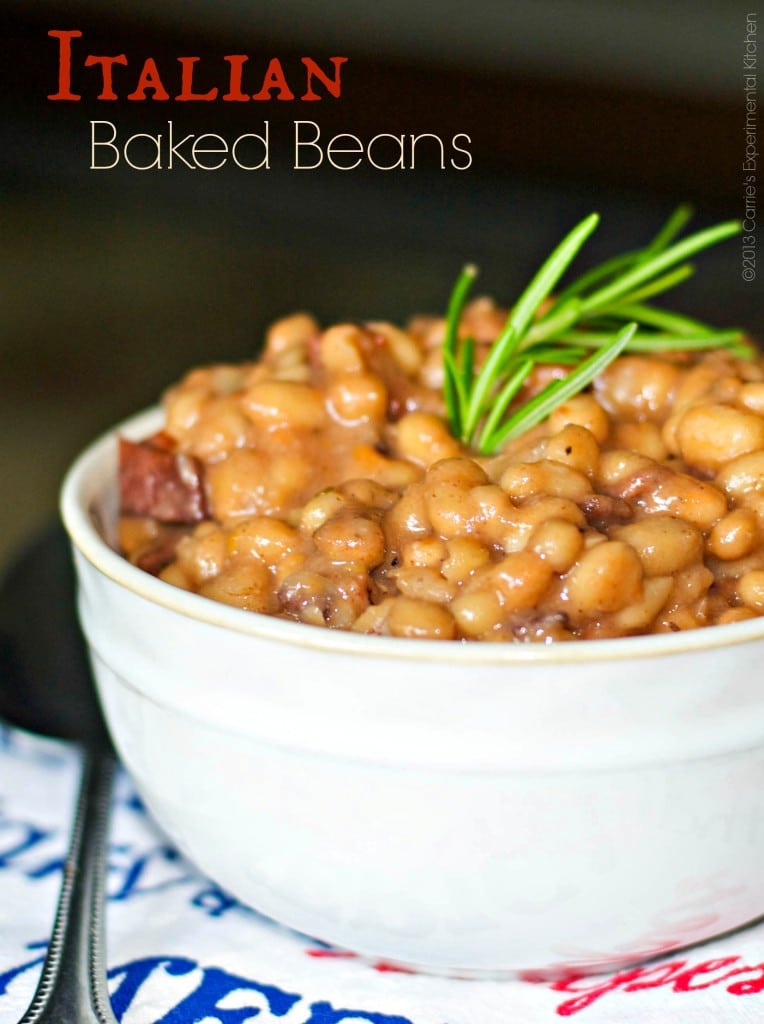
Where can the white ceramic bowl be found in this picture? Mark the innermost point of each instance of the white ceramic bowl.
(453, 806)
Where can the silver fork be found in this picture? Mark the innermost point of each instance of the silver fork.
(72, 987)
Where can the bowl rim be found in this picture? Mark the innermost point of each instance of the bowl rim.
(87, 475)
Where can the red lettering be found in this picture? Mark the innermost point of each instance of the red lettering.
(274, 79)
(589, 993)
(106, 63)
(385, 968)
(187, 82)
(654, 977)
(683, 981)
(675, 974)
(319, 81)
(750, 986)
(64, 64)
(149, 79)
(629, 981)
(237, 62)
(332, 85)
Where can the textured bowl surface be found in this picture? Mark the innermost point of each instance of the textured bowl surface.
(453, 806)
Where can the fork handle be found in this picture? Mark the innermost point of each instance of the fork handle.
(72, 986)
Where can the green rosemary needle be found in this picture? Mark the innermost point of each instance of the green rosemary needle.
(605, 310)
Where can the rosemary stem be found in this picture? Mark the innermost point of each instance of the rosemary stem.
(650, 268)
(605, 309)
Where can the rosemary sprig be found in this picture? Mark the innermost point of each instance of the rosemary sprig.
(605, 309)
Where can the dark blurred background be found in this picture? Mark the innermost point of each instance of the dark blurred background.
(114, 282)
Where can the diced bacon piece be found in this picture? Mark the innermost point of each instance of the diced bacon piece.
(156, 482)
(602, 510)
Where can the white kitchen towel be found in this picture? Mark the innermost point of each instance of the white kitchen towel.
(180, 950)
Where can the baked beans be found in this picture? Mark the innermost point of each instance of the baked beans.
(321, 484)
